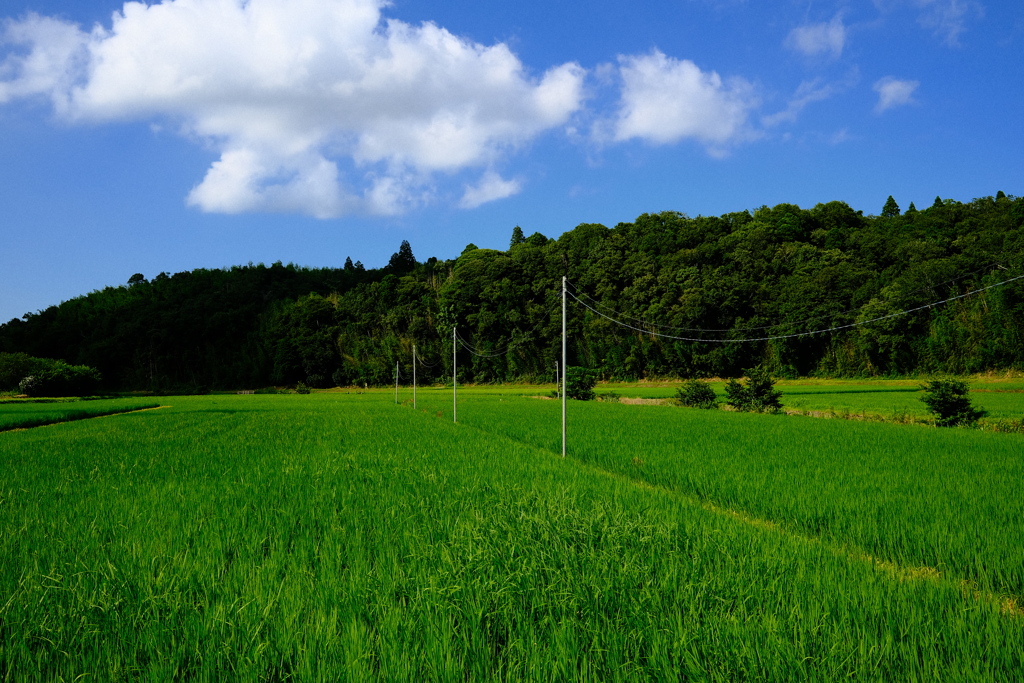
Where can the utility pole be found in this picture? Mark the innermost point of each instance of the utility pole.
(563, 366)
(414, 377)
(455, 382)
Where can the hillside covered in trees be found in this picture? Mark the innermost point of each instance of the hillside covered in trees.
(747, 275)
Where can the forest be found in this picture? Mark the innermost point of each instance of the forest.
(700, 297)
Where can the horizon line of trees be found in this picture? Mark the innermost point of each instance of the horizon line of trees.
(779, 270)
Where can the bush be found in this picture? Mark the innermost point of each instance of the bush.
(301, 388)
(757, 396)
(29, 386)
(15, 367)
(580, 383)
(696, 393)
(57, 378)
(947, 399)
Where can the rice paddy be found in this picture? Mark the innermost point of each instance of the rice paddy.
(22, 414)
(338, 536)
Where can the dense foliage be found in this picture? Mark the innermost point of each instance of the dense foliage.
(705, 282)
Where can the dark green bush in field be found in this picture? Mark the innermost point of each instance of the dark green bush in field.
(301, 388)
(696, 393)
(580, 383)
(14, 367)
(758, 395)
(57, 378)
(948, 400)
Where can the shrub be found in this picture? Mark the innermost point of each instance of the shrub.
(15, 367)
(758, 395)
(696, 393)
(580, 383)
(57, 378)
(947, 399)
(301, 388)
(29, 386)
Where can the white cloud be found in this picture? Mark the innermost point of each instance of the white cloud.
(815, 39)
(807, 93)
(286, 90)
(491, 187)
(55, 52)
(665, 100)
(947, 19)
(893, 92)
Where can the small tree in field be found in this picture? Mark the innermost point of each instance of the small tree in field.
(948, 400)
(579, 383)
(757, 396)
(696, 393)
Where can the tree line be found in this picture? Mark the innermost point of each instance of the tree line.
(759, 274)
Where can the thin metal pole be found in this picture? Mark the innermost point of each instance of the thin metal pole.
(455, 382)
(563, 366)
(396, 382)
(414, 377)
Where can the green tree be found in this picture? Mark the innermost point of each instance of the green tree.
(696, 393)
(579, 383)
(758, 395)
(402, 261)
(948, 401)
(517, 237)
(891, 208)
(14, 367)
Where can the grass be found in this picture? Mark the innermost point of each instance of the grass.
(940, 498)
(340, 537)
(894, 400)
(22, 414)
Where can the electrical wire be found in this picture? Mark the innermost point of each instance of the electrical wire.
(598, 304)
(488, 354)
(796, 334)
(419, 359)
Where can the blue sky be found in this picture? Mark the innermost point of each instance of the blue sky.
(209, 133)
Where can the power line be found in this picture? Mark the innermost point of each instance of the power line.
(619, 314)
(796, 334)
(514, 345)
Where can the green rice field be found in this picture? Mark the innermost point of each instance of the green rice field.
(21, 414)
(339, 536)
(1001, 397)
